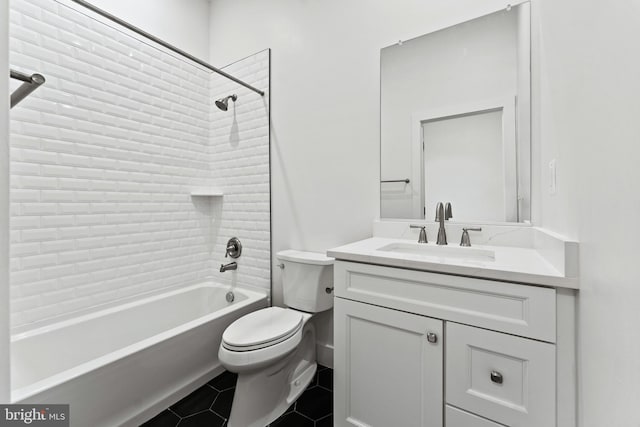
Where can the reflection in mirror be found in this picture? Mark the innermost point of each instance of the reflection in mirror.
(455, 121)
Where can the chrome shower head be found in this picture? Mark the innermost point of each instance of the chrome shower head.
(223, 103)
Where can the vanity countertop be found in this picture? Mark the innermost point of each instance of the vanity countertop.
(512, 264)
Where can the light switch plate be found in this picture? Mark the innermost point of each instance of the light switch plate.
(553, 181)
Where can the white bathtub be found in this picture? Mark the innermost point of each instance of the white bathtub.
(121, 365)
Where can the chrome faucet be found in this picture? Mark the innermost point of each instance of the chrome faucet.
(422, 238)
(230, 266)
(443, 214)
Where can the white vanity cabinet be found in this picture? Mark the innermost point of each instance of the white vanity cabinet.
(414, 348)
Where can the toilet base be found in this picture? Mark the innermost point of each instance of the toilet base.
(263, 395)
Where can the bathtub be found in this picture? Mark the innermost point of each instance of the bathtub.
(122, 365)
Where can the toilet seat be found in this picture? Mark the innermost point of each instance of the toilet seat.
(261, 329)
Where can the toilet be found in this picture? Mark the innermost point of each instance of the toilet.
(273, 350)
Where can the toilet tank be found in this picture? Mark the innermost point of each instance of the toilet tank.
(305, 279)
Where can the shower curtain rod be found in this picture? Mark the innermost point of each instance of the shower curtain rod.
(29, 84)
(171, 47)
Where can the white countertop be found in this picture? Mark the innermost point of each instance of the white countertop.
(512, 264)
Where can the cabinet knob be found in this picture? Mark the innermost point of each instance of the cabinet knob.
(432, 338)
(496, 377)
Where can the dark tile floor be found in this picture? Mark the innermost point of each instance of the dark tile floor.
(210, 405)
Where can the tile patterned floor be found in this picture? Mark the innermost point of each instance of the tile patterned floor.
(210, 405)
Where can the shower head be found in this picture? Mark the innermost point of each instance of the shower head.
(223, 103)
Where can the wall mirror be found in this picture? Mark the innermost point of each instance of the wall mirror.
(455, 111)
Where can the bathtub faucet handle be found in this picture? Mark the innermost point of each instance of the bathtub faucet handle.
(230, 248)
(234, 248)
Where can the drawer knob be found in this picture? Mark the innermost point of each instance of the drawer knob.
(432, 338)
(496, 377)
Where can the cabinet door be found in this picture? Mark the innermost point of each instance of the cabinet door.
(387, 367)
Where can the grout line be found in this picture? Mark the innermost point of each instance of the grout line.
(170, 410)
(304, 416)
(224, 418)
(196, 413)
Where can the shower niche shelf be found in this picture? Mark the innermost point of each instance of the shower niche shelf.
(206, 192)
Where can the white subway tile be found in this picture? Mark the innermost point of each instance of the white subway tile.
(24, 222)
(25, 249)
(25, 195)
(33, 182)
(73, 257)
(55, 170)
(56, 246)
(41, 209)
(57, 220)
(57, 271)
(56, 196)
(90, 219)
(65, 233)
(72, 208)
(37, 261)
(104, 157)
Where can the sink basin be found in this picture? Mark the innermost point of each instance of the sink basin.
(450, 252)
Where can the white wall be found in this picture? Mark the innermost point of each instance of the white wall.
(4, 205)
(590, 105)
(183, 23)
(325, 81)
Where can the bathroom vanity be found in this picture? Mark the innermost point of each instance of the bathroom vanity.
(429, 335)
(477, 335)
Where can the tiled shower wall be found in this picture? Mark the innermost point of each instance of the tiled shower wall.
(240, 167)
(103, 159)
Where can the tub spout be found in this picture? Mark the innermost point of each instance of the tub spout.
(230, 266)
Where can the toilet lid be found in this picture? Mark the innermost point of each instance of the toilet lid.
(262, 328)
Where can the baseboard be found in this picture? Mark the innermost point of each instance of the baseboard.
(324, 354)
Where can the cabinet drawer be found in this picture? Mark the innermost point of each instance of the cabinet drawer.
(528, 311)
(501, 377)
(455, 417)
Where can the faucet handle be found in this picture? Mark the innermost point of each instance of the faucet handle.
(448, 211)
(422, 238)
(465, 240)
(234, 248)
